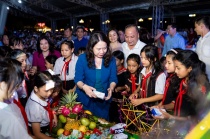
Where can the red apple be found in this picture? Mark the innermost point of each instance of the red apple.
(66, 132)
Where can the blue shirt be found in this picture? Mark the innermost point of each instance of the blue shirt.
(177, 41)
(77, 44)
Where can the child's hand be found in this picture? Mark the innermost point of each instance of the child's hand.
(64, 91)
(133, 96)
(127, 88)
(157, 106)
(137, 102)
(165, 114)
(55, 121)
(117, 89)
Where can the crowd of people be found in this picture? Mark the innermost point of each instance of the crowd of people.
(36, 69)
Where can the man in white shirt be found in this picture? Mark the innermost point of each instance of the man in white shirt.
(132, 43)
(202, 25)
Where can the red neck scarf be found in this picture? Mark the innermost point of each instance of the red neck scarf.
(66, 70)
(24, 82)
(179, 99)
(50, 113)
(22, 110)
(133, 81)
(119, 71)
(166, 87)
(144, 85)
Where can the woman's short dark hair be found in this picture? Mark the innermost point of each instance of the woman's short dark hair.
(115, 30)
(51, 45)
(94, 39)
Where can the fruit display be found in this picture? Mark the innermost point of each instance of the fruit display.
(76, 123)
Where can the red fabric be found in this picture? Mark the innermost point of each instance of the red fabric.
(203, 90)
(166, 87)
(119, 71)
(24, 82)
(65, 68)
(162, 39)
(179, 99)
(22, 112)
(50, 113)
(144, 85)
(133, 81)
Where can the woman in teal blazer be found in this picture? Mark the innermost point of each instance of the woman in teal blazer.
(96, 70)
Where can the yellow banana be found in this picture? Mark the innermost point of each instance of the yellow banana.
(88, 112)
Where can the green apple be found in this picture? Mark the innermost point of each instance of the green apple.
(84, 121)
(92, 125)
(62, 118)
(95, 118)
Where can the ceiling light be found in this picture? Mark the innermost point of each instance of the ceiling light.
(19, 1)
(107, 21)
(141, 19)
(7, 8)
(150, 18)
(192, 15)
(81, 21)
(91, 29)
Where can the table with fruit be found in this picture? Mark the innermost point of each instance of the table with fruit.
(76, 123)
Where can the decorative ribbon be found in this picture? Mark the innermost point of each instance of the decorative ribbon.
(144, 85)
